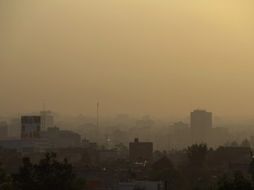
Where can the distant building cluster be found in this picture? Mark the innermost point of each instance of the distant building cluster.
(126, 154)
(200, 130)
(38, 133)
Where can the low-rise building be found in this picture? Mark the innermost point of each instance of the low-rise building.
(61, 138)
(140, 151)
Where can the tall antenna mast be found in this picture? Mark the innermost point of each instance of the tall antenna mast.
(98, 121)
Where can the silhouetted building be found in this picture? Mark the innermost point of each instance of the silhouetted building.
(3, 130)
(30, 127)
(201, 124)
(61, 138)
(26, 145)
(140, 151)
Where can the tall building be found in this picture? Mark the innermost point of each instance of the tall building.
(30, 127)
(201, 124)
(47, 120)
(140, 151)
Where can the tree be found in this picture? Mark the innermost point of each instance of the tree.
(164, 170)
(251, 169)
(48, 174)
(196, 171)
(5, 180)
(197, 154)
(238, 182)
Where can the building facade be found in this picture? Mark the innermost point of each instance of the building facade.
(30, 127)
(201, 124)
(140, 151)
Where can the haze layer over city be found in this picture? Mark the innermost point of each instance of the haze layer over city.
(126, 95)
(162, 58)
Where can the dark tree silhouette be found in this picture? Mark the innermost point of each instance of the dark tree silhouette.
(5, 180)
(196, 172)
(251, 169)
(164, 170)
(238, 182)
(48, 174)
(197, 154)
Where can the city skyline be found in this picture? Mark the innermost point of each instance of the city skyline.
(126, 95)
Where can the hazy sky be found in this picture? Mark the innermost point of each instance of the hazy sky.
(160, 57)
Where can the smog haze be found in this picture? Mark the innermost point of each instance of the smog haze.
(153, 57)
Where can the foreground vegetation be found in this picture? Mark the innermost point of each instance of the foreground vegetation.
(49, 173)
(46, 175)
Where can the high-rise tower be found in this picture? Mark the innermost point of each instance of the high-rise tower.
(201, 123)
